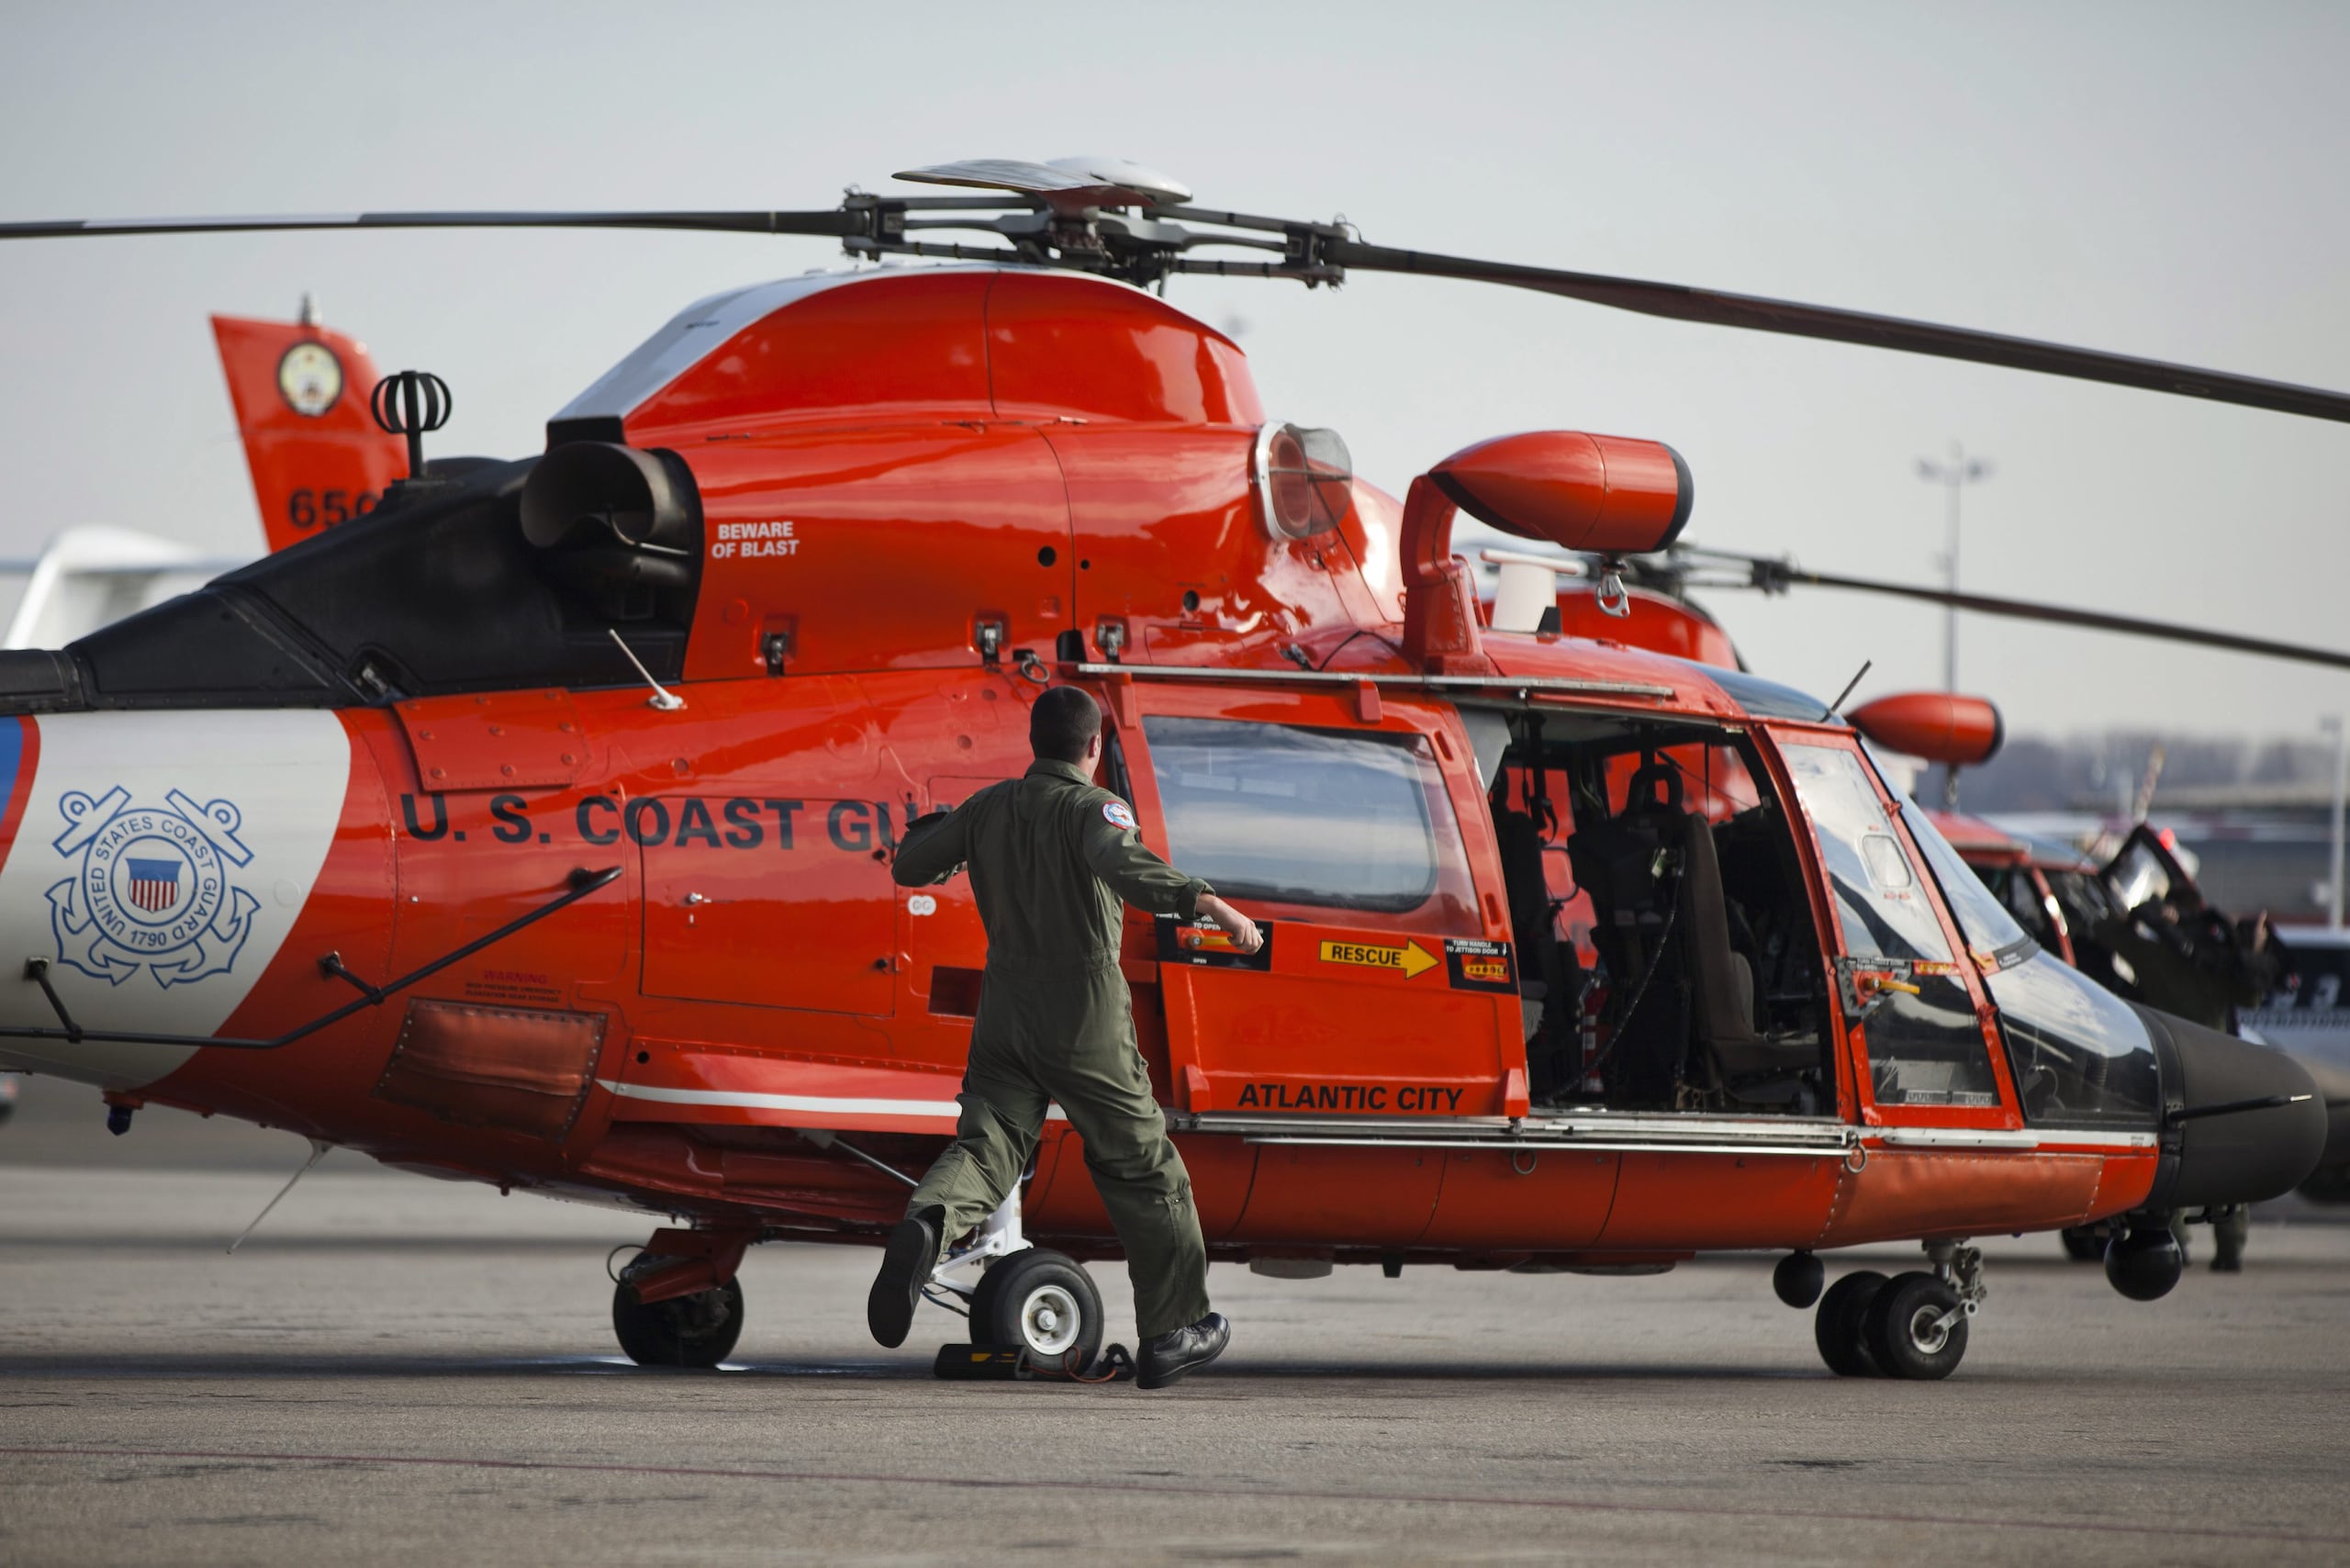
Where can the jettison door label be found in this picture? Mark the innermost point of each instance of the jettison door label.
(1480, 966)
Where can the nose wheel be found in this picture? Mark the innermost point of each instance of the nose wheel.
(1916, 1328)
(1913, 1326)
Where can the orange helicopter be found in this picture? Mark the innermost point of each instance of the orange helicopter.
(533, 828)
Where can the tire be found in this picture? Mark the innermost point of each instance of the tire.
(1840, 1327)
(2084, 1243)
(1901, 1338)
(697, 1330)
(1042, 1303)
(983, 1294)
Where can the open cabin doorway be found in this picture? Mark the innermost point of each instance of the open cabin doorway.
(1670, 959)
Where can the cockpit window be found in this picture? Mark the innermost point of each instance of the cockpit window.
(1983, 920)
(1878, 903)
(1919, 1020)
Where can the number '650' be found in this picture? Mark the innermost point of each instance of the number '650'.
(308, 508)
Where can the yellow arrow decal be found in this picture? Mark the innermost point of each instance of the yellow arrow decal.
(1411, 958)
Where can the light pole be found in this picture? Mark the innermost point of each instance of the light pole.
(2332, 724)
(1954, 476)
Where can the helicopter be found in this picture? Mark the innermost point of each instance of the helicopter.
(533, 828)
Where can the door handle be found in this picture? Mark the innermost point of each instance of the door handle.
(696, 898)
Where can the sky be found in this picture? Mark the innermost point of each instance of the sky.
(2155, 179)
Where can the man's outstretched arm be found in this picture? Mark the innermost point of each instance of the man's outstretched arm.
(933, 849)
(1115, 852)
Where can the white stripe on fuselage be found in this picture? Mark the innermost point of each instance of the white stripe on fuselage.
(236, 811)
(803, 1105)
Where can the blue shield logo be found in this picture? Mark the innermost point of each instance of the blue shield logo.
(149, 888)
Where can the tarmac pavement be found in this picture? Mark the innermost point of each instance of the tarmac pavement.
(398, 1369)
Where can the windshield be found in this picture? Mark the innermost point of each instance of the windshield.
(2077, 1052)
(1983, 920)
(1878, 903)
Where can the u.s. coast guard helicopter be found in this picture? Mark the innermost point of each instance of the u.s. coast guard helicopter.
(533, 828)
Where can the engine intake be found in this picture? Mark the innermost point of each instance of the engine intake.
(620, 525)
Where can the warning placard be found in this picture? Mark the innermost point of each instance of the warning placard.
(1480, 966)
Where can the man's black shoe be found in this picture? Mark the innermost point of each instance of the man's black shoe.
(1181, 1351)
(906, 1263)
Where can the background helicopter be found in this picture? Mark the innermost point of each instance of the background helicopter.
(1066, 476)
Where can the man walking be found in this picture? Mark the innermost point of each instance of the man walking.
(1051, 853)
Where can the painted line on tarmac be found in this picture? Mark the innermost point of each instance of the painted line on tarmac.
(1165, 1489)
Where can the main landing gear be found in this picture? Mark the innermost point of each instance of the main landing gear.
(1911, 1326)
(677, 1303)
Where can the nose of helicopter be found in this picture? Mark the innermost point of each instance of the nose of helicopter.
(2250, 1122)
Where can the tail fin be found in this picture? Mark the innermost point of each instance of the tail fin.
(301, 393)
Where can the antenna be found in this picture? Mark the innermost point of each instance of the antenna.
(1830, 710)
(411, 403)
(662, 697)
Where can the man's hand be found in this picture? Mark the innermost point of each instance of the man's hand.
(1243, 931)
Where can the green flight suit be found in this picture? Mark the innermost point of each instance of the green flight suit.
(1051, 854)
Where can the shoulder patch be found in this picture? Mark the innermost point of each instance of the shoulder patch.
(1114, 813)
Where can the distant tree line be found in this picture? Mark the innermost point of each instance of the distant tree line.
(2103, 772)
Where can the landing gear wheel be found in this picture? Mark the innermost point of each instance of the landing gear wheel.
(1043, 1303)
(696, 1330)
(2084, 1243)
(1840, 1327)
(1915, 1328)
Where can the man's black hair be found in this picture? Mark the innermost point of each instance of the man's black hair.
(1063, 723)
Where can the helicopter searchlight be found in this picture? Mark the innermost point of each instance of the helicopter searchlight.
(1612, 496)
(1939, 726)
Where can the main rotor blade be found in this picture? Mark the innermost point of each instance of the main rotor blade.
(1713, 307)
(2026, 610)
(834, 222)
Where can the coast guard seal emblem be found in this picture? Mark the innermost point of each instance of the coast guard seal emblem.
(151, 890)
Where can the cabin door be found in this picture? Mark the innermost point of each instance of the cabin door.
(1386, 987)
(1924, 1046)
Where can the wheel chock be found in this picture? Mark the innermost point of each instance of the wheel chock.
(1000, 1364)
(977, 1363)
